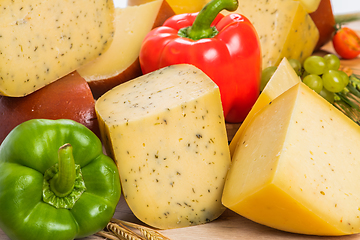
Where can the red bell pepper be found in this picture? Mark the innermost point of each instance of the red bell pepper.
(226, 48)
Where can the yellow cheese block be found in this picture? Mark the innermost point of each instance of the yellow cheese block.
(187, 6)
(178, 6)
(310, 5)
(41, 41)
(284, 27)
(131, 26)
(166, 132)
(297, 167)
(284, 78)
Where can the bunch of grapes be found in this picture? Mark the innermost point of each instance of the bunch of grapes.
(322, 74)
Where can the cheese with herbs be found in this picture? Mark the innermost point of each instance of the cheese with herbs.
(42, 41)
(297, 167)
(284, 27)
(284, 78)
(166, 132)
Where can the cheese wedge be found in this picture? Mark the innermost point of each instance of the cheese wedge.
(166, 132)
(42, 41)
(297, 167)
(179, 6)
(310, 5)
(128, 37)
(120, 62)
(284, 78)
(284, 27)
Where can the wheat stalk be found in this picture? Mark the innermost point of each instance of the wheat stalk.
(118, 230)
(146, 232)
(107, 235)
(123, 233)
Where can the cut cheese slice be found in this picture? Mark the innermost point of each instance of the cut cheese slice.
(285, 29)
(310, 5)
(41, 41)
(120, 62)
(166, 132)
(297, 167)
(179, 6)
(284, 78)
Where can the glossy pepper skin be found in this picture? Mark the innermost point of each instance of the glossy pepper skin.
(31, 151)
(226, 48)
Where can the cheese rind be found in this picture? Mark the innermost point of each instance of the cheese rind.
(296, 168)
(284, 78)
(166, 132)
(285, 29)
(41, 41)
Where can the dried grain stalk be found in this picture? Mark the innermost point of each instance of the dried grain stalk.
(146, 232)
(120, 230)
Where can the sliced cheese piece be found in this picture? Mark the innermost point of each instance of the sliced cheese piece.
(131, 26)
(310, 5)
(166, 132)
(285, 29)
(179, 6)
(284, 78)
(120, 62)
(297, 167)
(41, 41)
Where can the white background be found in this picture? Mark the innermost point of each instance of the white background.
(343, 6)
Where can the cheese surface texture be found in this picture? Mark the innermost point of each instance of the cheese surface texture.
(284, 78)
(131, 26)
(297, 167)
(166, 132)
(284, 27)
(310, 5)
(41, 41)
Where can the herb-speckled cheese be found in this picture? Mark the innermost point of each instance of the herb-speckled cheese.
(297, 167)
(285, 29)
(166, 132)
(41, 41)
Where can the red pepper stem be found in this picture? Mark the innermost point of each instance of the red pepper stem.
(201, 27)
(63, 182)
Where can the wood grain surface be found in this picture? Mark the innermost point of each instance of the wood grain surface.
(231, 225)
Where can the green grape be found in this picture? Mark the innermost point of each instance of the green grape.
(314, 82)
(315, 65)
(266, 75)
(345, 77)
(332, 61)
(329, 96)
(333, 81)
(304, 74)
(296, 65)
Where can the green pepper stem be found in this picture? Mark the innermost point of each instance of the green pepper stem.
(63, 182)
(201, 27)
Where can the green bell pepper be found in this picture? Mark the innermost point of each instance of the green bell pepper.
(55, 181)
